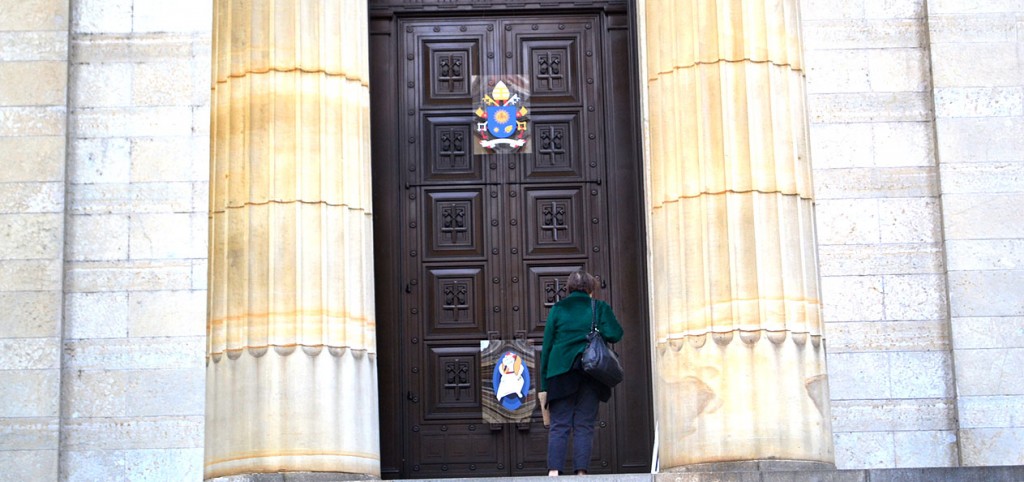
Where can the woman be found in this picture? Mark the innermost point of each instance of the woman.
(573, 396)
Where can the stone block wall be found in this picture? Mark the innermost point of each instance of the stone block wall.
(977, 57)
(133, 386)
(33, 126)
(104, 135)
(916, 139)
(880, 235)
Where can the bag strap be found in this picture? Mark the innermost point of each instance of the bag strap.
(593, 315)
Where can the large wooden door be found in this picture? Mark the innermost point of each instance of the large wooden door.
(478, 247)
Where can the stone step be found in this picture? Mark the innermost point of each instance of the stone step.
(1013, 473)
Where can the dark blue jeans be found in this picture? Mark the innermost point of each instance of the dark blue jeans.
(575, 413)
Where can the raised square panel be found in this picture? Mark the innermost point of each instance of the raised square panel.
(545, 287)
(555, 224)
(448, 66)
(450, 150)
(556, 147)
(457, 301)
(552, 64)
(455, 224)
(453, 382)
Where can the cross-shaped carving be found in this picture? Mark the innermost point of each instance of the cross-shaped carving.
(549, 68)
(554, 219)
(453, 221)
(456, 376)
(551, 143)
(455, 298)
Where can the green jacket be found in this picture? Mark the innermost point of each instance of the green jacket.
(565, 334)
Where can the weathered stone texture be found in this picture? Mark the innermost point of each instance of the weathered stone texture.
(29, 464)
(30, 314)
(33, 83)
(96, 315)
(898, 415)
(36, 392)
(32, 159)
(858, 336)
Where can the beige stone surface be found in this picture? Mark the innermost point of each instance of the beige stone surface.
(31, 197)
(92, 465)
(869, 107)
(986, 293)
(36, 83)
(887, 415)
(984, 139)
(98, 237)
(31, 236)
(167, 236)
(872, 144)
(99, 160)
(160, 16)
(870, 183)
(41, 45)
(874, 336)
(30, 274)
(160, 465)
(990, 371)
(916, 258)
(32, 121)
(29, 393)
(991, 411)
(988, 332)
(170, 158)
(102, 16)
(96, 315)
(30, 314)
(865, 450)
(983, 177)
(131, 121)
(133, 353)
(34, 15)
(29, 464)
(915, 297)
(992, 446)
(853, 298)
(145, 275)
(898, 375)
(29, 433)
(925, 448)
(117, 433)
(848, 221)
(33, 159)
(167, 313)
(129, 198)
(979, 101)
(106, 84)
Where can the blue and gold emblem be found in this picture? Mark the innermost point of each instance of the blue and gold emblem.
(502, 121)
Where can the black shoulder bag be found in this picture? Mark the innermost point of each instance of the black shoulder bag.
(599, 360)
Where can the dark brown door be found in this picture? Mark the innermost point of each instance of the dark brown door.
(478, 247)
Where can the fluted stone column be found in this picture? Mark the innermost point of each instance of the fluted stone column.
(291, 363)
(739, 351)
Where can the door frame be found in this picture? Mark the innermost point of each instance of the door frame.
(625, 181)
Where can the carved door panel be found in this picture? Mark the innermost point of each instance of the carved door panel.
(485, 242)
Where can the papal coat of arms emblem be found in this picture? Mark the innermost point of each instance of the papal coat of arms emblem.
(502, 119)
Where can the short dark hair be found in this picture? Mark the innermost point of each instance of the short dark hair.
(580, 281)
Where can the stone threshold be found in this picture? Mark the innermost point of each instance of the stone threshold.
(1013, 473)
